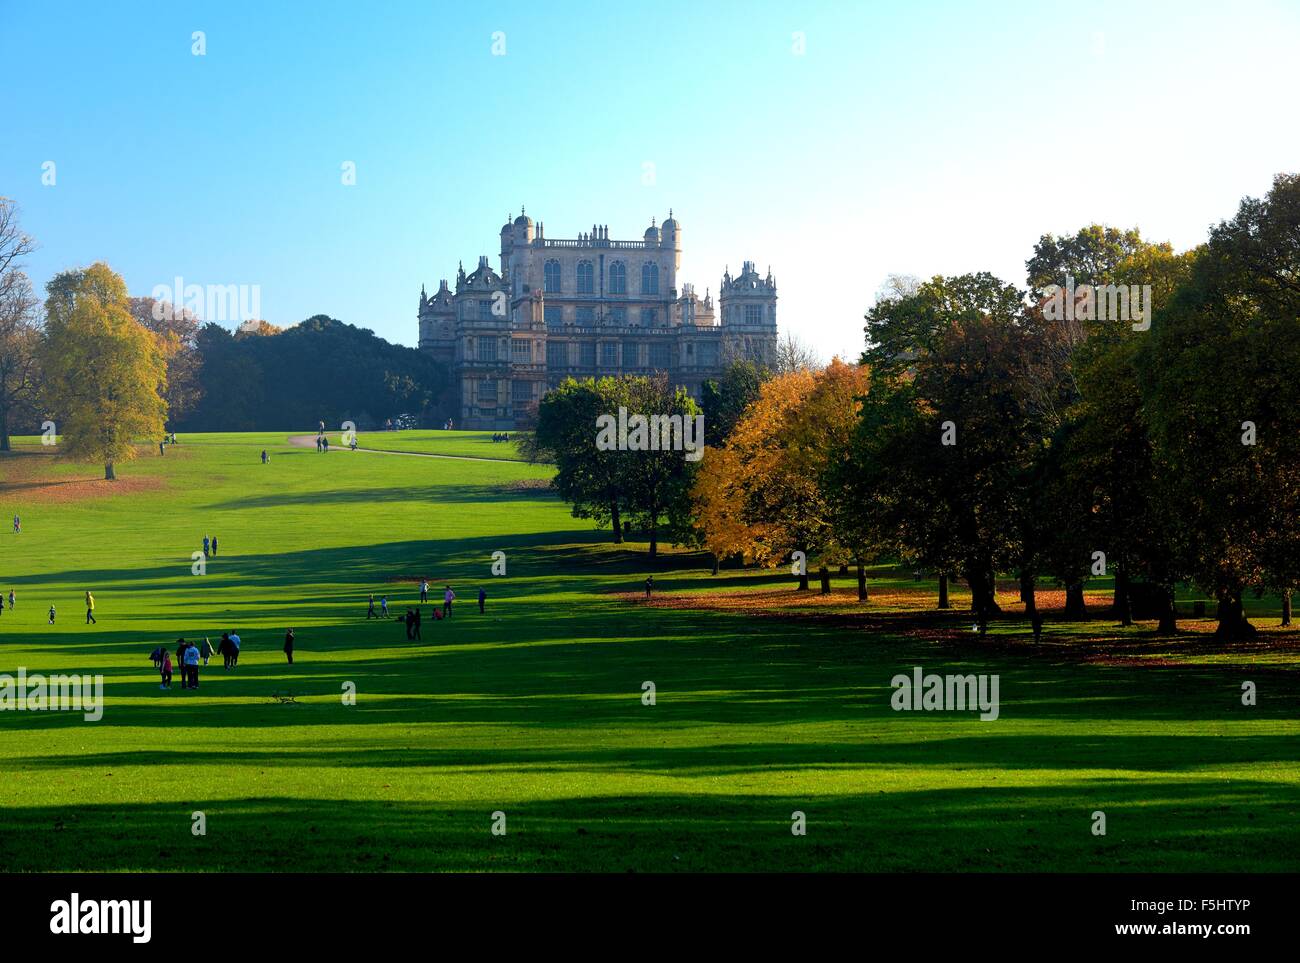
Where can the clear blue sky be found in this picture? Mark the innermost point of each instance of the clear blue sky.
(917, 138)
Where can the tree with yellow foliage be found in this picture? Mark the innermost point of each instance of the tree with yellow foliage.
(765, 494)
(103, 370)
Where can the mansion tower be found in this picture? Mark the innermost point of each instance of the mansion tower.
(585, 307)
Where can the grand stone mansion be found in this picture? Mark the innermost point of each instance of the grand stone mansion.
(583, 307)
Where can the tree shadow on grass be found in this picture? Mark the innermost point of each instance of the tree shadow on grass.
(1184, 826)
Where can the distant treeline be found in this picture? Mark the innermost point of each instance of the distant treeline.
(319, 370)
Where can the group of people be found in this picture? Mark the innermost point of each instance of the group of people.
(414, 615)
(500, 436)
(187, 657)
(190, 655)
(2, 601)
(209, 543)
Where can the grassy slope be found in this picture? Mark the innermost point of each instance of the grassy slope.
(475, 444)
(534, 709)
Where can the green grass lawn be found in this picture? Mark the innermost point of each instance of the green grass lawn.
(535, 708)
(467, 444)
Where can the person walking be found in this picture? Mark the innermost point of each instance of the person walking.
(205, 650)
(288, 646)
(415, 624)
(2, 605)
(51, 615)
(649, 585)
(424, 590)
(18, 525)
(11, 599)
(236, 644)
(207, 546)
(409, 621)
(370, 612)
(192, 665)
(214, 546)
(447, 598)
(383, 607)
(325, 444)
(90, 608)
(482, 597)
(223, 648)
(165, 669)
(264, 457)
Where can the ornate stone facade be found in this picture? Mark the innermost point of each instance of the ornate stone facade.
(583, 307)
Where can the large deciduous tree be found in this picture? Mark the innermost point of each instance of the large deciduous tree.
(105, 373)
(1221, 388)
(769, 491)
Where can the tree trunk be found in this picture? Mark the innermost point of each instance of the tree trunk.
(1233, 623)
(983, 597)
(654, 538)
(1168, 613)
(618, 524)
(1075, 606)
(825, 574)
(717, 563)
(1027, 595)
(108, 472)
(1122, 606)
(4, 430)
(1286, 607)
(943, 591)
(862, 582)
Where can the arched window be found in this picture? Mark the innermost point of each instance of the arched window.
(586, 278)
(650, 278)
(618, 278)
(551, 277)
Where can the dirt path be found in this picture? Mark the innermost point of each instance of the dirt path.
(309, 441)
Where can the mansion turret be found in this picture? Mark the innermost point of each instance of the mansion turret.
(584, 307)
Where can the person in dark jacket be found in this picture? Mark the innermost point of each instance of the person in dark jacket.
(288, 646)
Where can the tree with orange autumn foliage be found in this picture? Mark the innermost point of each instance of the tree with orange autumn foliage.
(765, 494)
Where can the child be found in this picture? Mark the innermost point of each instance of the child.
(166, 669)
